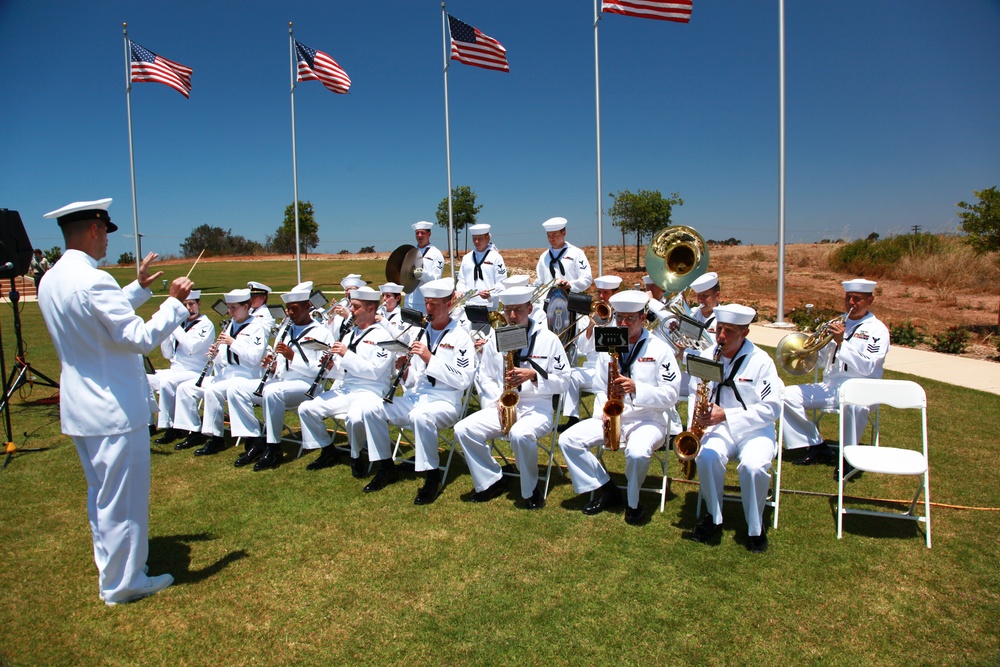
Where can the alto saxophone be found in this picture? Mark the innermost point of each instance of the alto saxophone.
(687, 445)
(510, 398)
(613, 407)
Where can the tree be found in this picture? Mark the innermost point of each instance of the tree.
(283, 239)
(463, 208)
(981, 221)
(873, 237)
(126, 258)
(217, 241)
(642, 213)
(366, 250)
(53, 254)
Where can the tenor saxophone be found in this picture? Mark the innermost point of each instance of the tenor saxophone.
(510, 398)
(613, 407)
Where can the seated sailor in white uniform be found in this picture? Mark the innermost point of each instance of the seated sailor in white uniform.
(340, 321)
(647, 385)
(389, 314)
(289, 371)
(236, 354)
(536, 374)
(361, 368)
(739, 424)
(440, 370)
(185, 348)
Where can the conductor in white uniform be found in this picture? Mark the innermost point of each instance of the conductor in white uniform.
(100, 342)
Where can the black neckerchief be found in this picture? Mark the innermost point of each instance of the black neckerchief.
(728, 382)
(295, 342)
(521, 358)
(234, 331)
(444, 332)
(356, 340)
(625, 365)
(187, 327)
(849, 337)
(556, 260)
(423, 251)
(477, 267)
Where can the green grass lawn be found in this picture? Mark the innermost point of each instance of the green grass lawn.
(298, 567)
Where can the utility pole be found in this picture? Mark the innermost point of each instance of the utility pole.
(916, 229)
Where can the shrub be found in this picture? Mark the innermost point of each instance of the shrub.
(809, 318)
(368, 249)
(125, 259)
(878, 258)
(953, 341)
(344, 252)
(905, 334)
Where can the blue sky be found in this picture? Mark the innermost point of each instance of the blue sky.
(891, 117)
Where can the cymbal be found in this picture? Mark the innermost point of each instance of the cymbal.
(401, 265)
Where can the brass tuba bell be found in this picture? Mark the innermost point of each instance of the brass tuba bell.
(675, 257)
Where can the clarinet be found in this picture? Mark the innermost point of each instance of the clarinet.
(406, 364)
(259, 391)
(323, 360)
(208, 364)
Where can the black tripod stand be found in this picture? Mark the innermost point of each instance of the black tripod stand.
(22, 373)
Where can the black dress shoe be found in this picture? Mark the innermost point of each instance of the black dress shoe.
(815, 454)
(257, 447)
(571, 421)
(494, 490)
(328, 456)
(385, 476)
(634, 517)
(271, 459)
(608, 497)
(535, 502)
(214, 445)
(757, 544)
(428, 493)
(359, 467)
(168, 436)
(706, 530)
(192, 440)
(152, 430)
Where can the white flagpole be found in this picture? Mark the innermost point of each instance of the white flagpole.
(295, 172)
(447, 138)
(597, 98)
(781, 163)
(131, 156)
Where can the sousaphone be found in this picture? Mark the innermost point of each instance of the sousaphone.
(676, 257)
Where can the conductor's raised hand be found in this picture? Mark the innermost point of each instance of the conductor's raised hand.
(145, 280)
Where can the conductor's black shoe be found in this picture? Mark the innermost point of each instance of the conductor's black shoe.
(608, 496)
(168, 436)
(757, 544)
(328, 456)
(257, 447)
(271, 459)
(428, 493)
(492, 491)
(569, 422)
(385, 476)
(359, 467)
(214, 445)
(634, 517)
(706, 530)
(815, 454)
(193, 439)
(152, 429)
(535, 502)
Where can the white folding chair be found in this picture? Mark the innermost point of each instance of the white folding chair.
(451, 443)
(817, 413)
(507, 464)
(902, 394)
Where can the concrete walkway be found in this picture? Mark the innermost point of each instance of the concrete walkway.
(970, 373)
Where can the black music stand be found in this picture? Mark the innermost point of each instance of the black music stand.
(22, 373)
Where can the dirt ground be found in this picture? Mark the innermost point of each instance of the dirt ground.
(748, 274)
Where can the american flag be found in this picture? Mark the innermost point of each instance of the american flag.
(472, 47)
(677, 10)
(317, 66)
(147, 66)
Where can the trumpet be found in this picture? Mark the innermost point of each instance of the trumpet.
(462, 300)
(601, 313)
(223, 325)
(798, 353)
(272, 365)
(510, 398)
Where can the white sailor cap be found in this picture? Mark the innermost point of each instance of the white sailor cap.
(607, 282)
(194, 295)
(705, 282)
(555, 224)
(422, 225)
(515, 281)
(629, 301)
(734, 313)
(352, 280)
(300, 292)
(84, 210)
(657, 306)
(258, 288)
(438, 289)
(391, 288)
(859, 285)
(366, 293)
(647, 281)
(238, 296)
(475, 230)
(515, 296)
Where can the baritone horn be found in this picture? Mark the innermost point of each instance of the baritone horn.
(798, 353)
